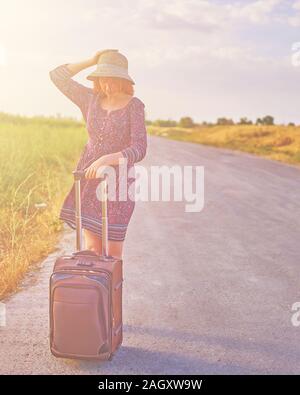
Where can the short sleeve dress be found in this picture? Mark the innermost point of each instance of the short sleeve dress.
(108, 132)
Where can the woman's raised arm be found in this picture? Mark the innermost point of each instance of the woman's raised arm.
(79, 94)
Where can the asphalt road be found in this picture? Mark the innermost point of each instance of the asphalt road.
(204, 293)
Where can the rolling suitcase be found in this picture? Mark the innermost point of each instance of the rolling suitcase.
(86, 296)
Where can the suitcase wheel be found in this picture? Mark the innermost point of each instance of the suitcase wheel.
(110, 357)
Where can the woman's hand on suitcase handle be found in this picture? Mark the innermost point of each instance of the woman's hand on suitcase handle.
(96, 169)
(93, 170)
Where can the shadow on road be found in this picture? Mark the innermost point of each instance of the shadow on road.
(138, 360)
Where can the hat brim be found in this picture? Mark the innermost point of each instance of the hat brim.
(96, 74)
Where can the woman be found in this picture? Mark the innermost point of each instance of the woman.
(115, 121)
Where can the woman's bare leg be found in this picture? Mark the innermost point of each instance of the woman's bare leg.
(115, 248)
(93, 242)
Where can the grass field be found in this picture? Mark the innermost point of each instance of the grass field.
(38, 155)
(280, 143)
(37, 158)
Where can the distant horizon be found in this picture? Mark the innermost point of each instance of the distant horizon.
(194, 58)
(201, 122)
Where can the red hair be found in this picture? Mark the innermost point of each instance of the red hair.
(117, 83)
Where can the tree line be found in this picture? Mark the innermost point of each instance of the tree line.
(188, 122)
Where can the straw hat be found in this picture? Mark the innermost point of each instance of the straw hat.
(111, 64)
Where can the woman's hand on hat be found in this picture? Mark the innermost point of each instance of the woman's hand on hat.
(95, 58)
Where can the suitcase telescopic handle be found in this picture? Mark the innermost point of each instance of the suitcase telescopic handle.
(78, 176)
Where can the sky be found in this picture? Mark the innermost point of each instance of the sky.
(197, 58)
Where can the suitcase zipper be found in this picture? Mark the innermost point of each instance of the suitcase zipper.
(73, 269)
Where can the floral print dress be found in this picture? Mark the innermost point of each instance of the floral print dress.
(108, 132)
